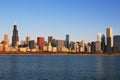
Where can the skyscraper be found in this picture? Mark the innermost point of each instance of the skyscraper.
(103, 43)
(98, 43)
(15, 37)
(32, 44)
(93, 47)
(99, 37)
(40, 42)
(109, 35)
(116, 40)
(97, 46)
(67, 41)
(50, 38)
(52, 41)
(27, 40)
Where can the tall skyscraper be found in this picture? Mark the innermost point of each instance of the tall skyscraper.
(103, 48)
(109, 35)
(93, 47)
(67, 41)
(99, 37)
(98, 43)
(15, 37)
(116, 40)
(27, 40)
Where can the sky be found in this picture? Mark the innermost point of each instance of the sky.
(81, 19)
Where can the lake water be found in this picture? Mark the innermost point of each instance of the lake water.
(59, 68)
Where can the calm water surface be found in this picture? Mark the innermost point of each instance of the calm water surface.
(59, 68)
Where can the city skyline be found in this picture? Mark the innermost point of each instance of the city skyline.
(81, 19)
(102, 44)
(15, 37)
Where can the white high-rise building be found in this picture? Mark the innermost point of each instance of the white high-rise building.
(99, 37)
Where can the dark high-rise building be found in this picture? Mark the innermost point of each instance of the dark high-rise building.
(103, 43)
(93, 47)
(32, 44)
(67, 41)
(15, 37)
(50, 39)
(116, 40)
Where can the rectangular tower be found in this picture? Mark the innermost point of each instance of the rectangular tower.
(109, 35)
(40, 42)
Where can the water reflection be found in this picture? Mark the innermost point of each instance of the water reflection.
(99, 67)
(59, 68)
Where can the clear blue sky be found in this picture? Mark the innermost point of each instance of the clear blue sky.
(81, 19)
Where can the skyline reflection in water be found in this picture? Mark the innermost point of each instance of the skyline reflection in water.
(59, 68)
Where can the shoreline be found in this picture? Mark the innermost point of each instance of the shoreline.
(55, 54)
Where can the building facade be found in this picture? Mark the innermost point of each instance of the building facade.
(116, 40)
(103, 46)
(99, 37)
(32, 44)
(15, 37)
(109, 35)
(27, 40)
(6, 40)
(50, 39)
(40, 42)
(93, 47)
(67, 41)
(98, 46)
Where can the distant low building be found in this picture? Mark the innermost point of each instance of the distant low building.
(45, 48)
(82, 46)
(60, 43)
(88, 47)
(49, 47)
(54, 49)
(1, 47)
